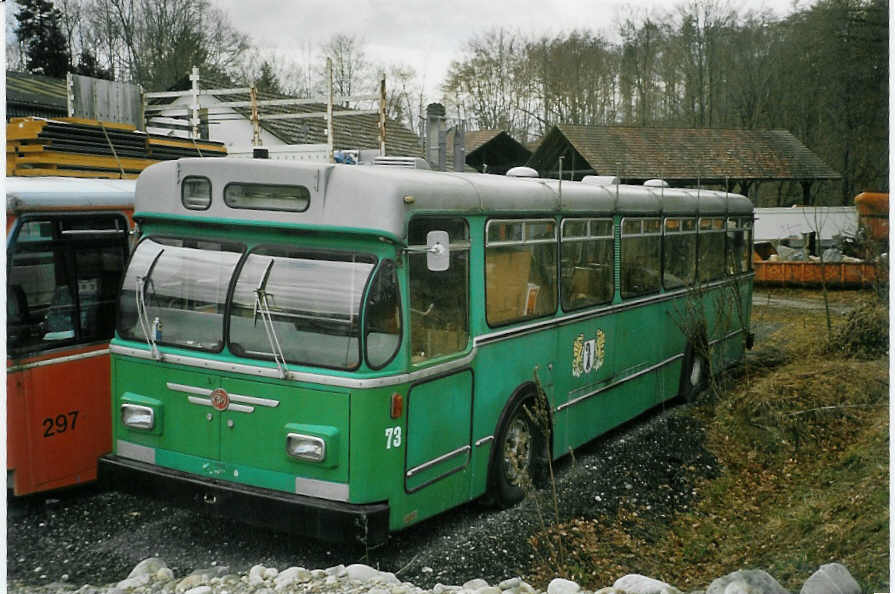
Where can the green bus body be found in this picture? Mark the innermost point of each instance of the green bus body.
(416, 432)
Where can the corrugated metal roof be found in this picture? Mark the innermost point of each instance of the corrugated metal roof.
(685, 153)
(44, 92)
(350, 132)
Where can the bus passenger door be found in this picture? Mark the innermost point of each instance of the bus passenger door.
(439, 433)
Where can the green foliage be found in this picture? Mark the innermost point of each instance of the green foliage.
(40, 32)
(267, 81)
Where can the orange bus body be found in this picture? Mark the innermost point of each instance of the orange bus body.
(873, 212)
(58, 417)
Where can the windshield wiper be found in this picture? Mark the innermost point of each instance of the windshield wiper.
(149, 329)
(262, 306)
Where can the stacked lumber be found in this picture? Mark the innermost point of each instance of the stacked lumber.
(76, 147)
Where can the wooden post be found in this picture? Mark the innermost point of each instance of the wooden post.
(382, 116)
(329, 112)
(194, 121)
(256, 120)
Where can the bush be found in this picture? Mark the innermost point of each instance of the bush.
(865, 333)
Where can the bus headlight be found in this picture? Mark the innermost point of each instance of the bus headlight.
(305, 447)
(137, 417)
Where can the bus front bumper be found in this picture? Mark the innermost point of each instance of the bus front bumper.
(331, 521)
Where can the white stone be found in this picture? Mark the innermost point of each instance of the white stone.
(199, 590)
(377, 590)
(256, 575)
(336, 571)
(190, 582)
(134, 582)
(475, 584)
(284, 578)
(748, 581)
(360, 572)
(832, 578)
(561, 586)
(509, 584)
(270, 573)
(164, 575)
(147, 567)
(634, 583)
(386, 577)
(291, 576)
(488, 590)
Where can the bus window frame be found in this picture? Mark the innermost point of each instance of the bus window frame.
(69, 242)
(621, 263)
(695, 233)
(225, 313)
(589, 236)
(463, 245)
(364, 318)
(524, 221)
(307, 204)
(722, 230)
(361, 359)
(210, 192)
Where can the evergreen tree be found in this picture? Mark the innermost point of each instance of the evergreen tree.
(40, 32)
(267, 81)
(88, 65)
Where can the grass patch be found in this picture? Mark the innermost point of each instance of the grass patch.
(803, 446)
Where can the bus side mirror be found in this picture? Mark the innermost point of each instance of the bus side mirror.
(438, 251)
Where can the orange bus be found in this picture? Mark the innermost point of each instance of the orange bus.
(67, 247)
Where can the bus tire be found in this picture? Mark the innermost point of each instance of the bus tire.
(694, 375)
(519, 458)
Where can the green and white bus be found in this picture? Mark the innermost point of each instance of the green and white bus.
(344, 351)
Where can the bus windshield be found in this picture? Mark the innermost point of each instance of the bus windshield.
(288, 304)
(183, 286)
(313, 299)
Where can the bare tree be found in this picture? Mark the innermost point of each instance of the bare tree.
(350, 67)
(156, 42)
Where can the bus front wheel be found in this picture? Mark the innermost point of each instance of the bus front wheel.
(519, 459)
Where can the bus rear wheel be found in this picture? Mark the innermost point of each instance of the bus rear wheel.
(518, 463)
(694, 375)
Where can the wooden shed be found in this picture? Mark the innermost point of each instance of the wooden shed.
(684, 157)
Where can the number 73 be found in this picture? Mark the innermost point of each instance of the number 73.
(392, 437)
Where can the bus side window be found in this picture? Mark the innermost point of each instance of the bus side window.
(587, 263)
(641, 248)
(63, 275)
(439, 300)
(711, 249)
(383, 317)
(520, 270)
(679, 253)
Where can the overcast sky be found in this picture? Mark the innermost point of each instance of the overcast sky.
(428, 35)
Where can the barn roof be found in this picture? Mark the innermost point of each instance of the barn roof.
(494, 148)
(681, 155)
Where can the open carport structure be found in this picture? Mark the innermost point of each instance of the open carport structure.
(737, 160)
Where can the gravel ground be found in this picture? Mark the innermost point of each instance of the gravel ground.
(89, 536)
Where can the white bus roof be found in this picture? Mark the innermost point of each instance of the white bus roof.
(382, 199)
(49, 193)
